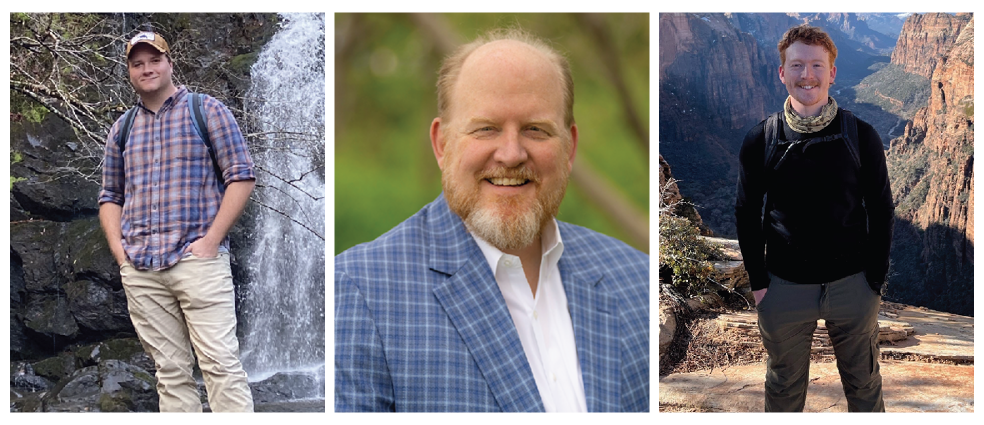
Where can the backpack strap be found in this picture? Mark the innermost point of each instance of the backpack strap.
(772, 127)
(849, 132)
(200, 122)
(124, 133)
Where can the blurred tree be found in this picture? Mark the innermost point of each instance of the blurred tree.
(385, 72)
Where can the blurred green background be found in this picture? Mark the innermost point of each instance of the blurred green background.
(385, 71)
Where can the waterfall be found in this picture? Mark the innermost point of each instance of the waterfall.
(283, 307)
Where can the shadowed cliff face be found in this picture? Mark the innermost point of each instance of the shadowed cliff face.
(716, 82)
(933, 183)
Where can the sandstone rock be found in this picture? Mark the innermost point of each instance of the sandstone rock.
(667, 327)
(729, 248)
(924, 40)
(932, 169)
(747, 323)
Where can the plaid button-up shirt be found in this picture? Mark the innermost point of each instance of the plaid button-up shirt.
(165, 180)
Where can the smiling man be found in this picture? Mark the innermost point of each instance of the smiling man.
(821, 249)
(483, 301)
(171, 191)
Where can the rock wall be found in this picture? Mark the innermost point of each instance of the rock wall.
(924, 39)
(933, 183)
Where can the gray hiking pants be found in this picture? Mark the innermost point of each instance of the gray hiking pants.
(787, 318)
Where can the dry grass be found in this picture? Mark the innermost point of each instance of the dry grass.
(702, 344)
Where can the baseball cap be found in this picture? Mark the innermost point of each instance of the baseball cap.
(151, 38)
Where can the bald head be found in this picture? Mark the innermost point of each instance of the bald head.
(513, 52)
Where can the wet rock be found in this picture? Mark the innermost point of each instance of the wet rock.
(23, 379)
(287, 386)
(65, 286)
(96, 307)
(55, 368)
(127, 350)
(112, 386)
(53, 186)
(49, 315)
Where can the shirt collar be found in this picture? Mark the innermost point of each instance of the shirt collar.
(170, 101)
(552, 246)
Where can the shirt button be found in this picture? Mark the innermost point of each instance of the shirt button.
(553, 376)
(535, 316)
(508, 263)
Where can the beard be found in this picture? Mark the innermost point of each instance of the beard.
(505, 222)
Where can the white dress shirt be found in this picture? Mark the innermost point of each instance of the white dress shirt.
(543, 322)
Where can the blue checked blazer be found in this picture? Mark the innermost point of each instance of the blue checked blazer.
(420, 324)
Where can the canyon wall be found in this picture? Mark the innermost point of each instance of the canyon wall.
(924, 39)
(931, 166)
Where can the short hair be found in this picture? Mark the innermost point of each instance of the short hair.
(810, 36)
(451, 67)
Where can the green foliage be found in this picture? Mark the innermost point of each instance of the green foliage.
(686, 254)
(28, 109)
(15, 157)
(15, 180)
(19, 18)
(969, 110)
(242, 63)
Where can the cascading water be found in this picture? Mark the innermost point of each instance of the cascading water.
(283, 307)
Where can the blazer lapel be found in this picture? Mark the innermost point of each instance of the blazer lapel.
(478, 312)
(594, 314)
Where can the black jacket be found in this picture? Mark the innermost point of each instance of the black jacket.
(823, 219)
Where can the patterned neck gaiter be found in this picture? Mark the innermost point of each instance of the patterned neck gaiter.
(801, 124)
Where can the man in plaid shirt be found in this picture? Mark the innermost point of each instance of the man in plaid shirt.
(166, 216)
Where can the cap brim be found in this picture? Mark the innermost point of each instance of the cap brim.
(134, 46)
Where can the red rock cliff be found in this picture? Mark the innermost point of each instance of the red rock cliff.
(943, 133)
(924, 39)
(932, 170)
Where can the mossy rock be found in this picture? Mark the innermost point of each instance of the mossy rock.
(120, 349)
(242, 63)
(55, 368)
(114, 403)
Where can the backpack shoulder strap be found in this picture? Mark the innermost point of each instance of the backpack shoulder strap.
(772, 128)
(200, 122)
(124, 133)
(849, 131)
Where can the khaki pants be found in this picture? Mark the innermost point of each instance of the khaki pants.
(190, 305)
(787, 317)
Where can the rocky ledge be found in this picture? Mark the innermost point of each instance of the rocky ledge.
(723, 367)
